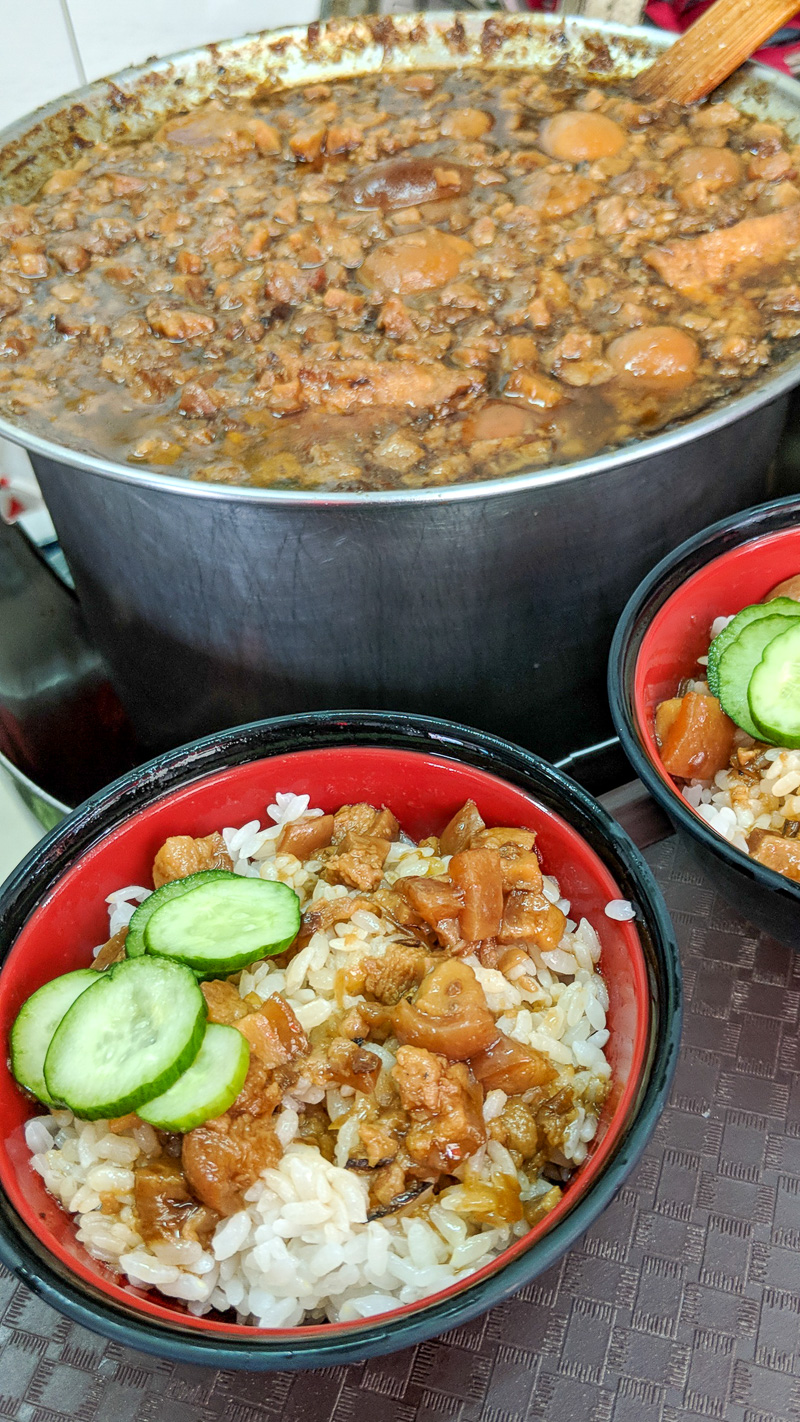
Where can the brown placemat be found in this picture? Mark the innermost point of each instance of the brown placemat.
(683, 1301)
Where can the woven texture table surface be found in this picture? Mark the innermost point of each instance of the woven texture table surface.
(682, 1302)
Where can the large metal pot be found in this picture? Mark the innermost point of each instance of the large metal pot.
(487, 603)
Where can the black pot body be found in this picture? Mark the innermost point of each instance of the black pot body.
(497, 610)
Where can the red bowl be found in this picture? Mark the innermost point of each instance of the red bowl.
(662, 631)
(108, 843)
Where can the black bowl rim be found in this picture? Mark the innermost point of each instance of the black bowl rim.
(92, 820)
(637, 615)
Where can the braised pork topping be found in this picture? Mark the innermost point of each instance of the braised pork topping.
(419, 1113)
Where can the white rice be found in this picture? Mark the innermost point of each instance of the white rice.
(734, 806)
(621, 910)
(302, 1249)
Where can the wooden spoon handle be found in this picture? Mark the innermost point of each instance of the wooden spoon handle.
(716, 44)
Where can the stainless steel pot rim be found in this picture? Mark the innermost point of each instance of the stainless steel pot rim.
(658, 445)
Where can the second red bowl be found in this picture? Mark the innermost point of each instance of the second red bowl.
(662, 631)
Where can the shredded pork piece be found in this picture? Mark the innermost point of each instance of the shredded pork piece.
(477, 873)
(387, 979)
(445, 1102)
(366, 820)
(225, 1157)
(531, 918)
(449, 1015)
(166, 1211)
(776, 852)
(359, 861)
(351, 1065)
(224, 1003)
(508, 1066)
(465, 825)
(305, 837)
(111, 952)
(274, 1033)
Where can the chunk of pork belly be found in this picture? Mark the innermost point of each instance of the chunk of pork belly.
(446, 1105)
(181, 856)
(224, 1157)
(461, 830)
(450, 1014)
(756, 243)
(359, 862)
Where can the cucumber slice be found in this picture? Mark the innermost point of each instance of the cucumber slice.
(223, 926)
(126, 1039)
(737, 663)
(208, 1087)
(774, 691)
(135, 945)
(782, 606)
(35, 1026)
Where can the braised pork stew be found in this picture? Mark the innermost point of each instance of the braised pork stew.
(399, 280)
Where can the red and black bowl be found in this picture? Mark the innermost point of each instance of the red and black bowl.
(52, 910)
(661, 633)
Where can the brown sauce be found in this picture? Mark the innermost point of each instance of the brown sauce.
(398, 281)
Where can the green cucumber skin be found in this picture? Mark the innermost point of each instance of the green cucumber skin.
(173, 940)
(780, 606)
(208, 968)
(775, 738)
(737, 664)
(188, 1103)
(67, 1064)
(135, 945)
(761, 690)
(34, 1028)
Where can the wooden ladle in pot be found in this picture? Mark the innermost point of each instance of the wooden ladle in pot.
(716, 44)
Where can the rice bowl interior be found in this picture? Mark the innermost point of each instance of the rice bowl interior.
(422, 1257)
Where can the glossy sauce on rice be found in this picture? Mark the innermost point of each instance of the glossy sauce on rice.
(359, 1169)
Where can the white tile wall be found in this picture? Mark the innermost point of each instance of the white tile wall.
(48, 47)
(112, 34)
(37, 59)
(14, 462)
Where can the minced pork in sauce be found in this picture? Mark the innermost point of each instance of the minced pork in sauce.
(399, 280)
(423, 1120)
